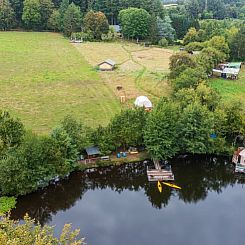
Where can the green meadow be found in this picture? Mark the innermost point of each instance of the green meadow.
(231, 90)
(44, 78)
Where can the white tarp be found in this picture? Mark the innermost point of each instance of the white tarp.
(232, 71)
(143, 101)
(242, 153)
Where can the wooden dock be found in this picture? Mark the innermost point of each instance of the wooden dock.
(159, 173)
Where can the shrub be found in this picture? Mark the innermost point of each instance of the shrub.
(6, 204)
(163, 42)
(28, 233)
(194, 46)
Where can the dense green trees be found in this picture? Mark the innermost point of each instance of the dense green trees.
(190, 77)
(11, 131)
(96, 23)
(237, 45)
(7, 15)
(179, 62)
(134, 22)
(29, 161)
(31, 14)
(112, 8)
(124, 130)
(165, 29)
(160, 135)
(34, 14)
(72, 20)
(46, 9)
(127, 128)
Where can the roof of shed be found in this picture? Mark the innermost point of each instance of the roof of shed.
(235, 64)
(108, 61)
(93, 150)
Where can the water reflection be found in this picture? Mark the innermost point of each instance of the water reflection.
(197, 176)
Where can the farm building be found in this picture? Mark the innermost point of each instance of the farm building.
(92, 152)
(143, 101)
(228, 70)
(107, 65)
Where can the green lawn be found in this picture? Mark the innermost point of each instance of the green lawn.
(43, 78)
(231, 89)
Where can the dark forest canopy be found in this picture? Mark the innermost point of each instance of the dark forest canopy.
(35, 14)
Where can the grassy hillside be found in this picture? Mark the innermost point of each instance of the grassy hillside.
(231, 89)
(43, 78)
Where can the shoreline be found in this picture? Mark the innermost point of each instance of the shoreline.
(114, 161)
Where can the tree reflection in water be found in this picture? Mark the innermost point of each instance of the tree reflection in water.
(196, 175)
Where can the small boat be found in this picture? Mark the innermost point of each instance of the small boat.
(172, 185)
(159, 186)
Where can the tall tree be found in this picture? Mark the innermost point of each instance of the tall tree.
(31, 14)
(193, 8)
(96, 23)
(237, 45)
(179, 62)
(217, 7)
(46, 9)
(127, 128)
(17, 6)
(11, 131)
(72, 19)
(191, 36)
(160, 132)
(134, 22)
(165, 29)
(7, 16)
(195, 126)
(54, 21)
(62, 9)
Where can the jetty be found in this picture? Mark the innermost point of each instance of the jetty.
(159, 172)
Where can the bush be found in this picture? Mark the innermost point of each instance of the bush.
(84, 36)
(110, 36)
(28, 233)
(194, 46)
(6, 204)
(163, 42)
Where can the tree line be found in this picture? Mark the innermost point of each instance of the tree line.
(158, 22)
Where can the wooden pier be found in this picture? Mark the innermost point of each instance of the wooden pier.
(159, 173)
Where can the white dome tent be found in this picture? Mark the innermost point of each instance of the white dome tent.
(143, 101)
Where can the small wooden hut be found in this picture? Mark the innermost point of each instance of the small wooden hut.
(107, 65)
(92, 152)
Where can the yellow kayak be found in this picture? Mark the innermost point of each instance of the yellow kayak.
(159, 186)
(172, 185)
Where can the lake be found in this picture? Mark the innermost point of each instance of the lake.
(118, 206)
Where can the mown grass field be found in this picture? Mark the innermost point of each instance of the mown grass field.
(140, 70)
(231, 89)
(43, 78)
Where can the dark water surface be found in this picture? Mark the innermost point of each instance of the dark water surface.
(118, 206)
